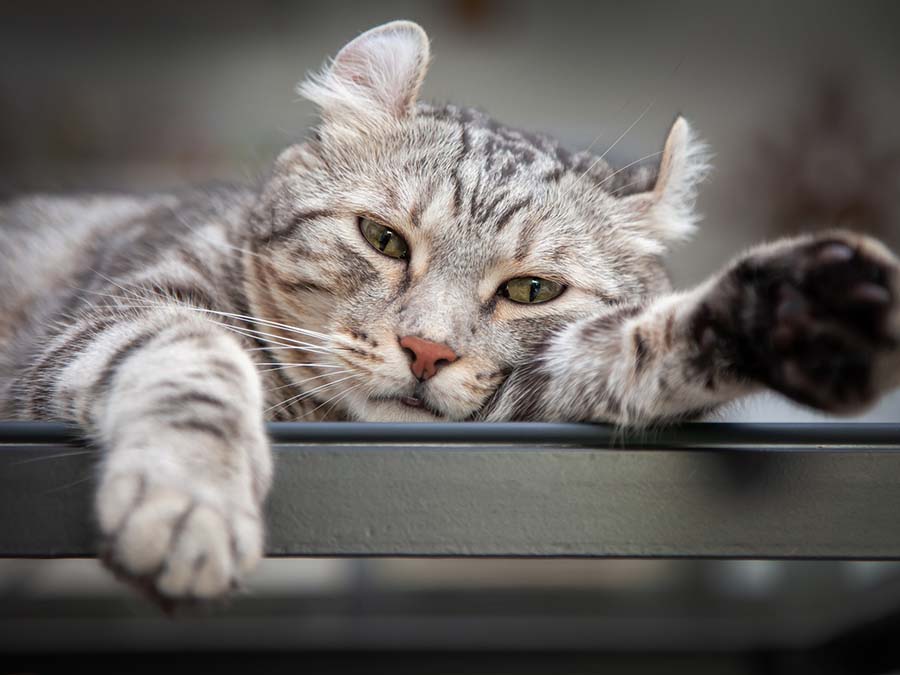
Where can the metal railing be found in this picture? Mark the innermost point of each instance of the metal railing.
(544, 490)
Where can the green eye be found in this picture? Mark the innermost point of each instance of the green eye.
(383, 239)
(531, 290)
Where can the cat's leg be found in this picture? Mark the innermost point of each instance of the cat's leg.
(175, 404)
(815, 318)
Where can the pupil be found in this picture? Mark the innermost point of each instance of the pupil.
(384, 239)
(534, 290)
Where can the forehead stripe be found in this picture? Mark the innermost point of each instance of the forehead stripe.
(507, 215)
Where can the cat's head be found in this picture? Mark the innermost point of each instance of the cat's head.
(438, 247)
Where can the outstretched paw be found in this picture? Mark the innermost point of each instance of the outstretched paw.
(175, 543)
(813, 319)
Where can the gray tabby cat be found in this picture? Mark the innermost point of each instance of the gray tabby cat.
(407, 263)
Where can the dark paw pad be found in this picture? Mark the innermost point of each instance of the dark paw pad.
(810, 321)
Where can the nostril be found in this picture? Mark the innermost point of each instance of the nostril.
(440, 363)
(426, 357)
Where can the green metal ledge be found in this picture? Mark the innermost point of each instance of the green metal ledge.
(544, 490)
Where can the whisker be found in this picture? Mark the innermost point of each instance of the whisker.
(339, 396)
(259, 332)
(277, 339)
(261, 336)
(614, 144)
(616, 114)
(30, 460)
(274, 349)
(287, 366)
(205, 310)
(301, 397)
(299, 365)
(628, 166)
(230, 248)
(630, 127)
(69, 485)
(308, 379)
(622, 188)
(312, 391)
(266, 322)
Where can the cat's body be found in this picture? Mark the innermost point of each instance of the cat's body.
(409, 263)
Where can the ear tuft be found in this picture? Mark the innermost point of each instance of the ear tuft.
(374, 78)
(684, 165)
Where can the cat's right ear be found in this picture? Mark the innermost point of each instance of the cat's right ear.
(666, 211)
(374, 80)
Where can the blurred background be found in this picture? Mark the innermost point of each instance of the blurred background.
(799, 102)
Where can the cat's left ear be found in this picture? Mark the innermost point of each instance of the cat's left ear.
(667, 210)
(374, 79)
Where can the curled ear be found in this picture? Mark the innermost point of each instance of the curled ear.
(667, 210)
(374, 78)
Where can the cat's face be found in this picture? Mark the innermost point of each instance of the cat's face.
(405, 220)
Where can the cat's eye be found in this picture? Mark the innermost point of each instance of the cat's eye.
(384, 239)
(531, 290)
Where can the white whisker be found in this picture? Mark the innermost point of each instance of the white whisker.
(231, 248)
(57, 456)
(312, 391)
(251, 333)
(299, 365)
(308, 379)
(622, 188)
(68, 485)
(301, 397)
(268, 341)
(183, 305)
(614, 115)
(628, 166)
(277, 339)
(614, 144)
(339, 396)
(266, 322)
(275, 349)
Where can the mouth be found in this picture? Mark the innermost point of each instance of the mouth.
(415, 402)
(412, 402)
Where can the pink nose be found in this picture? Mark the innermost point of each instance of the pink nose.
(427, 357)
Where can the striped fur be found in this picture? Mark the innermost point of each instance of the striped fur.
(170, 327)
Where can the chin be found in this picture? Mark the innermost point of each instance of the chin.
(393, 410)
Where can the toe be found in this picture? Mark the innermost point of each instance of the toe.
(248, 542)
(869, 293)
(214, 565)
(118, 495)
(144, 540)
(833, 252)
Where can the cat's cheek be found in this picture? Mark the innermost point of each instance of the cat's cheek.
(458, 392)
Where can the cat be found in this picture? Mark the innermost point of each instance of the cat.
(408, 262)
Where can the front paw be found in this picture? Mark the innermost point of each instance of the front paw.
(815, 320)
(176, 542)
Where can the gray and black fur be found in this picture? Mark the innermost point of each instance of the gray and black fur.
(170, 327)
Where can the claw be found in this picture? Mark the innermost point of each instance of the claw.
(834, 253)
(872, 294)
